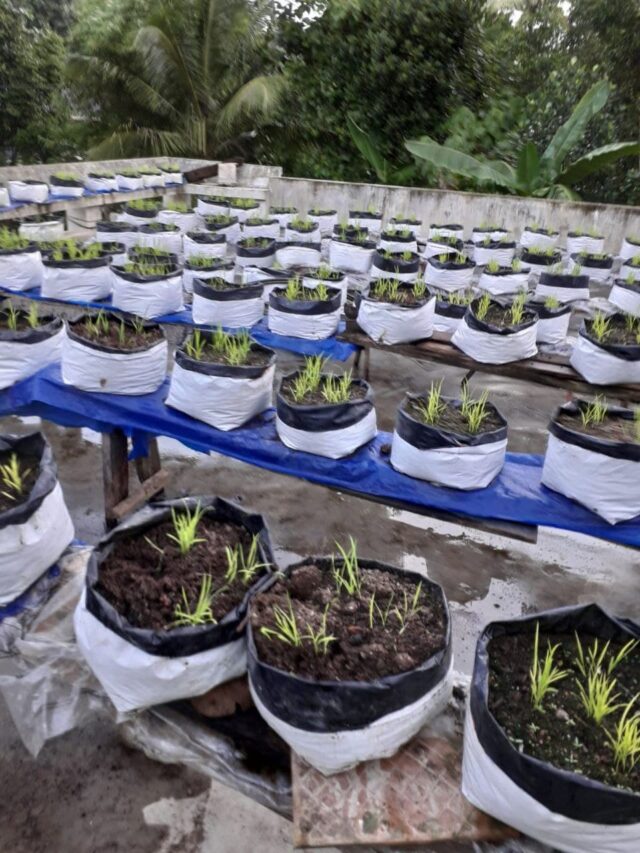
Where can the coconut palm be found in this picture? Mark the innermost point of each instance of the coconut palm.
(192, 78)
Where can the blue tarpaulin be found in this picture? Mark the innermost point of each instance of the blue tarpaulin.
(515, 496)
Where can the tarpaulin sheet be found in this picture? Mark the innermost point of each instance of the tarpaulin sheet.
(515, 496)
(330, 347)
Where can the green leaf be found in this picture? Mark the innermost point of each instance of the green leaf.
(597, 159)
(369, 150)
(463, 164)
(557, 191)
(528, 170)
(570, 133)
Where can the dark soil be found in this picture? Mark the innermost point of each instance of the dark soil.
(29, 468)
(618, 333)
(133, 339)
(219, 284)
(255, 358)
(497, 315)
(145, 587)
(451, 419)
(358, 392)
(405, 297)
(612, 428)
(359, 653)
(561, 734)
(22, 321)
(332, 275)
(305, 294)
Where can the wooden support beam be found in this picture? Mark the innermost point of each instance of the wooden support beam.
(149, 489)
(115, 472)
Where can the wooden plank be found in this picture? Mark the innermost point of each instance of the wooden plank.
(150, 487)
(115, 472)
(202, 172)
(147, 466)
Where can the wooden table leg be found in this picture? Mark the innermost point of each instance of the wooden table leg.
(147, 466)
(115, 472)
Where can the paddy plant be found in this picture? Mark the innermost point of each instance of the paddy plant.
(544, 673)
(185, 528)
(483, 306)
(11, 240)
(12, 478)
(600, 326)
(201, 614)
(347, 575)
(432, 407)
(516, 312)
(474, 412)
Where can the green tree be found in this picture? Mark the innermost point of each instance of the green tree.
(191, 80)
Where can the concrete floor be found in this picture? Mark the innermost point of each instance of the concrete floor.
(88, 793)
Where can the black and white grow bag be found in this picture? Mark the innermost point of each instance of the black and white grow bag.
(630, 248)
(24, 352)
(448, 315)
(553, 323)
(441, 245)
(393, 323)
(395, 267)
(491, 344)
(351, 256)
(298, 254)
(336, 278)
(449, 229)
(152, 179)
(99, 183)
(66, 187)
(237, 308)
(117, 232)
(398, 242)
(139, 216)
(86, 281)
(168, 238)
(269, 228)
(584, 243)
(117, 252)
(229, 228)
(371, 220)
(332, 430)
(29, 191)
(626, 297)
(563, 286)
(284, 215)
(545, 238)
(564, 810)
(335, 725)
(128, 183)
(138, 667)
(222, 395)
(172, 177)
(446, 458)
(505, 281)
(93, 366)
(256, 256)
(324, 219)
(218, 268)
(598, 269)
(302, 233)
(479, 235)
(36, 530)
(601, 363)
(449, 275)
(630, 270)
(185, 221)
(310, 319)
(49, 226)
(21, 269)
(210, 206)
(499, 251)
(148, 296)
(244, 212)
(538, 263)
(598, 473)
(204, 244)
(413, 225)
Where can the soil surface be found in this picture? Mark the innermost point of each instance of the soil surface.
(219, 284)
(404, 296)
(452, 420)
(146, 587)
(305, 294)
(612, 428)
(332, 275)
(255, 358)
(132, 339)
(357, 392)
(619, 332)
(561, 734)
(359, 652)
(22, 321)
(499, 316)
(29, 468)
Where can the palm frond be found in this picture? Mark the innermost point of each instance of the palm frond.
(256, 98)
(128, 140)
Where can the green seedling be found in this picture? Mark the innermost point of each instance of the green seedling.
(12, 318)
(576, 270)
(238, 348)
(245, 566)
(598, 697)
(308, 379)
(66, 176)
(475, 412)
(11, 240)
(409, 609)
(293, 289)
(244, 203)
(122, 333)
(492, 267)
(594, 412)
(636, 421)
(145, 204)
(32, 316)
(594, 660)
(551, 303)
(630, 279)
(542, 676)
(196, 345)
(13, 478)
(286, 626)
(337, 389)
(376, 610)
(347, 576)
(185, 525)
(516, 312)
(319, 638)
(516, 265)
(419, 288)
(483, 306)
(98, 325)
(432, 407)
(178, 207)
(321, 292)
(625, 741)
(202, 613)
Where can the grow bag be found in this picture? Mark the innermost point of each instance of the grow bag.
(479, 235)
(218, 269)
(243, 212)
(230, 230)
(601, 474)
(295, 234)
(447, 458)
(255, 256)
(24, 352)
(93, 366)
(447, 230)
(269, 228)
(86, 281)
(391, 323)
(395, 267)
(397, 243)
(490, 344)
(352, 257)
(138, 667)
(565, 288)
(413, 225)
(598, 269)
(49, 227)
(203, 244)
(128, 183)
(447, 316)
(629, 269)
(147, 296)
(151, 180)
(448, 275)
(365, 219)
(222, 395)
(206, 206)
(629, 249)
(35, 531)
(65, 188)
(284, 215)
(565, 810)
(5, 198)
(171, 177)
(117, 232)
(545, 239)
(184, 221)
(626, 297)
(239, 308)
(117, 252)
(138, 217)
(435, 246)
(325, 220)
(101, 183)
(342, 283)
(297, 254)
(583, 243)
(334, 725)
(21, 269)
(165, 237)
(539, 263)
(33, 192)
(605, 364)
(504, 282)
(309, 319)
(553, 323)
(332, 430)
(503, 253)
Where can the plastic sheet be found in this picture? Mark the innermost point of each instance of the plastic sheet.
(629, 250)
(485, 344)
(515, 495)
(21, 270)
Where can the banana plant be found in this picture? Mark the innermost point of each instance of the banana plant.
(546, 175)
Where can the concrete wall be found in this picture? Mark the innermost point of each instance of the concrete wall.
(469, 209)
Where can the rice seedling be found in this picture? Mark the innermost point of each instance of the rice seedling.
(66, 176)
(516, 265)
(293, 288)
(598, 697)
(625, 740)
(32, 316)
(307, 381)
(632, 262)
(376, 610)
(492, 267)
(419, 288)
(196, 345)
(319, 637)
(11, 240)
(630, 279)
(387, 289)
(322, 292)
(202, 613)
(551, 303)
(636, 421)
(409, 608)
(459, 297)
(69, 250)
(13, 478)
(12, 318)
(516, 312)
(542, 676)
(483, 306)
(443, 258)
(594, 412)
(143, 203)
(245, 566)
(630, 322)
(97, 325)
(431, 408)
(178, 206)
(238, 347)
(147, 270)
(542, 251)
(406, 256)
(218, 340)
(286, 626)
(576, 270)
(475, 412)
(122, 333)
(594, 660)
(347, 576)
(185, 526)
(337, 389)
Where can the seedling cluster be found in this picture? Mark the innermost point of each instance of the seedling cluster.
(12, 478)
(311, 380)
(11, 240)
(232, 349)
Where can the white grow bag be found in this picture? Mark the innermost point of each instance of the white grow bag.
(299, 255)
(105, 233)
(101, 185)
(600, 365)
(434, 248)
(491, 347)
(447, 275)
(138, 219)
(5, 198)
(456, 231)
(60, 191)
(21, 270)
(91, 366)
(192, 246)
(502, 254)
(184, 221)
(212, 208)
(239, 308)
(584, 243)
(628, 269)
(629, 250)
(80, 281)
(479, 236)
(363, 219)
(270, 230)
(128, 184)
(224, 397)
(232, 231)
(34, 533)
(529, 238)
(36, 192)
(325, 220)
(244, 213)
(311, 320)
(597, 273)
(386, 269)
(168, 241)
(389, 323)
(25, 352)
(51, 229)
(342, 284)
(565, 288)
(553, 325)
(284, 219)
(294, 235)
(626, 297)
(225, 270)
(352, 257)
(388, 244)
(152, 181)
(147, 298)
(172, 179)
(504, 285)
